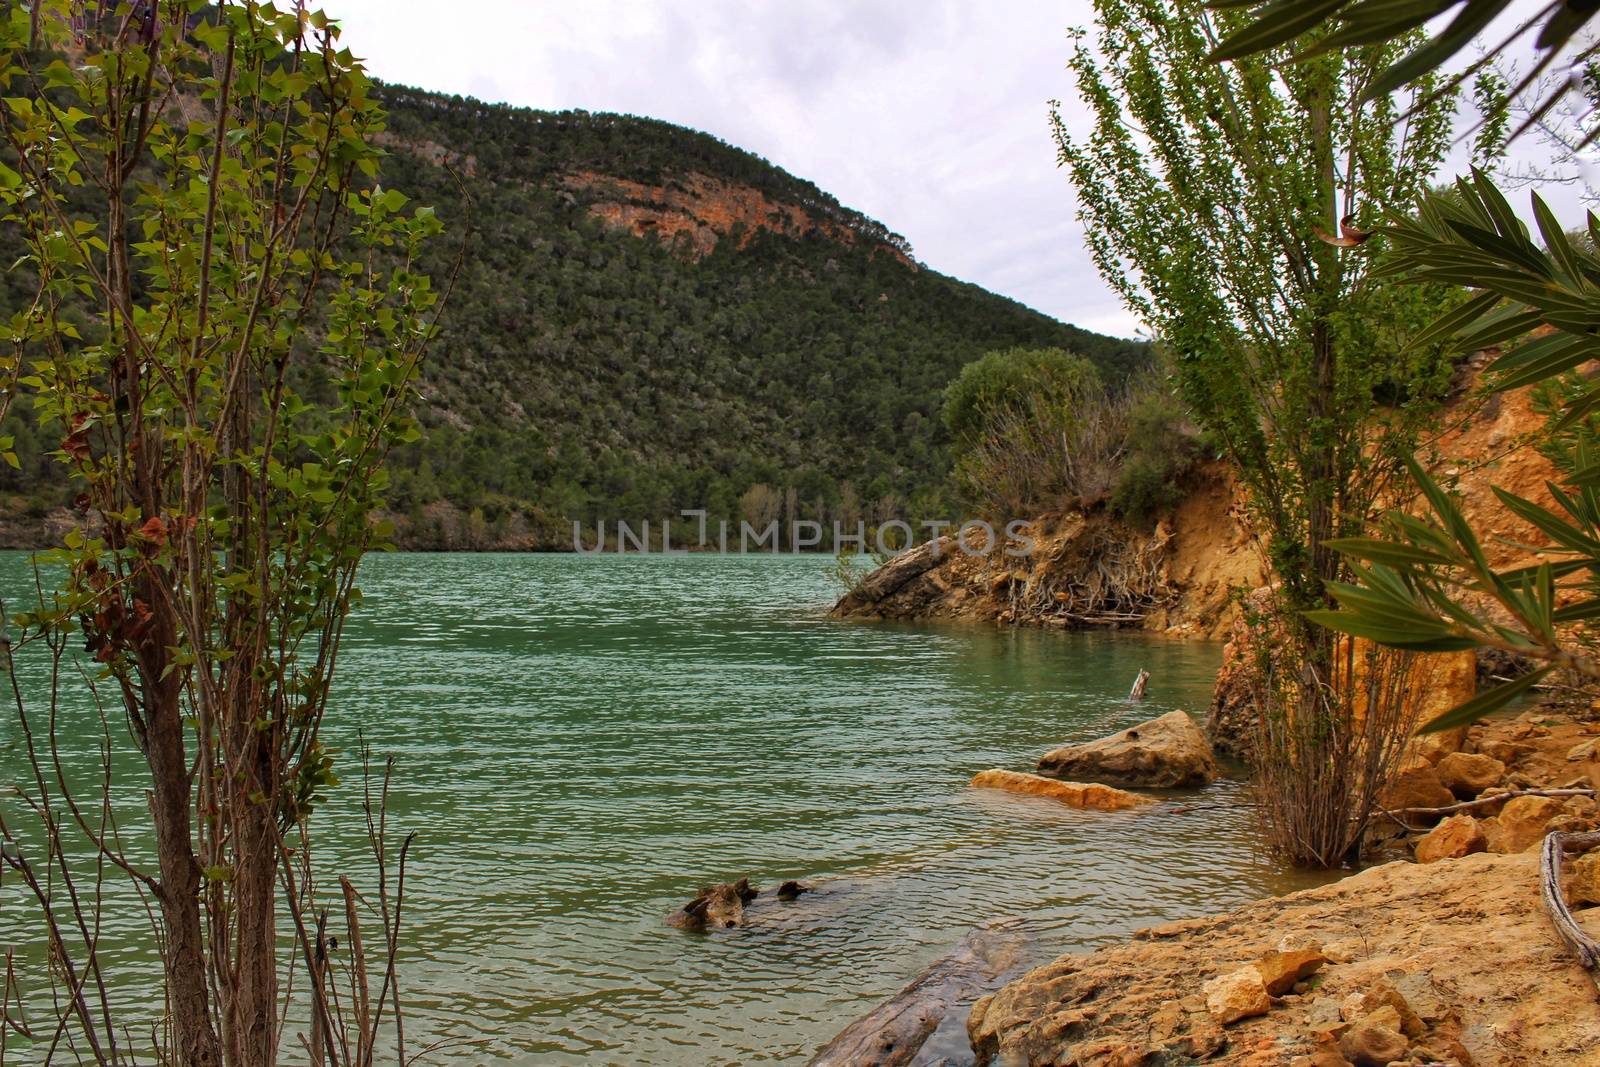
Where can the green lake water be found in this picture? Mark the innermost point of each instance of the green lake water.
(583, 741)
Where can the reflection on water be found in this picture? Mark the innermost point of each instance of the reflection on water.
(583, 741)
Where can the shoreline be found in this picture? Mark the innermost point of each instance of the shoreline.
(1446, 921)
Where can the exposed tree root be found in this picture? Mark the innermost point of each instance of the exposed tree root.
(1556, 846)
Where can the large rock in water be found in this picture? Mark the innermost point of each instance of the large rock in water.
(1163, 753)
(1091, 796)
(895, 576)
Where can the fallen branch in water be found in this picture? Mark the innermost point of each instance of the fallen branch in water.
(1495, 798)
(1137, 692)
(1556, 845)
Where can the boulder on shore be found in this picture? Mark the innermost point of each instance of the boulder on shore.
(1092, 796)
(1466, 774)
(1459, 835)
(1163, 753)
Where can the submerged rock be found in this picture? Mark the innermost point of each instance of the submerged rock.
(1089, 795)
(715, 906)
(792, 890)
(1163, 753)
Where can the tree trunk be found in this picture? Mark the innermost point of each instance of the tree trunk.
(195, 1041)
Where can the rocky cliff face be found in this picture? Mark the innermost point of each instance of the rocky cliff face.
(694, 212)
(1089, 569)
(1180, 579)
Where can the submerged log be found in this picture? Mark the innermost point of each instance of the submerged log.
(1586, 948)
(895, 575)
(1137, 692)
(892, 1033)
(715, 906)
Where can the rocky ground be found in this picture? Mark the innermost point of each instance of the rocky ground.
(1444, 956)
(1452, 963)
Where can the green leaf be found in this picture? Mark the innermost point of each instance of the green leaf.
(1389, 553)
(1475, 16)
(1278, 23)
(1485, 703)
(1346, 622)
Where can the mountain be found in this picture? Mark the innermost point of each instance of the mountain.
(648, 319)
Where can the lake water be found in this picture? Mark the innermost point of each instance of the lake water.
(583, 741)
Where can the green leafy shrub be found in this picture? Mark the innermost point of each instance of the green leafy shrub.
(1043, 381)
(1163, 445)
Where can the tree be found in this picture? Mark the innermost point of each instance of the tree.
(1011, 378)
(1425, 584)
(223, 337)
(1210, 196)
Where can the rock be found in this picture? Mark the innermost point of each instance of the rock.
(1163, 753)
(1584, 886)
(895, 1032)
(1472, 933)
(1441, 681)
(1237, 995)
(1323, 1057)
(1457, 836)
(1431, 748)
(1231, 719)
(1374, 1041)
(1092, 796)
(1582, 806)
(1583, 750)
(1380, 996)
(1466, 774)
(715, 906)
(791, 890)
(1418, 787)
(1507, 752)
(1281, 970)
(1521, 823)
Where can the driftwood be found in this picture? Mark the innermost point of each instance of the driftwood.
(1137, 692)
(1556, 846)
(893, 1032)
(1495, 798)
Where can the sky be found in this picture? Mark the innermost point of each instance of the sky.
(928, 115)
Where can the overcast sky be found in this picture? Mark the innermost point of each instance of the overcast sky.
(928, 115)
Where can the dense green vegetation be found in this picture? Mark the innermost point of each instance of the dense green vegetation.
(1037, 429)
(584, 372)
(595, 375)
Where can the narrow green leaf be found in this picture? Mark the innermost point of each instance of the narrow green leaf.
(1485, 703)
(1278, 23)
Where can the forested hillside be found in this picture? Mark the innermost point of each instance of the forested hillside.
(648, 319)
